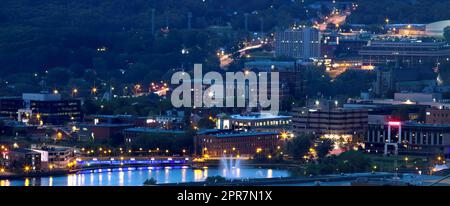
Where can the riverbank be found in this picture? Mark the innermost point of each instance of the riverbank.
(286, 180)
(15, 176)
(57, 173)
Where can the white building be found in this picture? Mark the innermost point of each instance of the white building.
(303, 43)
(263, 122)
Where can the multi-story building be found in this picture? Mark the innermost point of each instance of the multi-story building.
(218, 143)
(403, 79)
(255, 121)
(24, 160)
(132, 135)
(269, 65)
(55, 156)
(330, 122)
(41, 108)
(103, 131)
(302, 43)
(10, 105)
(437, 116)
(408, 138)
(51, 108)
(408, 53)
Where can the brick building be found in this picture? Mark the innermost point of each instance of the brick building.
(217, 143)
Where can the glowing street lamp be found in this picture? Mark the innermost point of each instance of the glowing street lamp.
(258, 150)
(74, 91)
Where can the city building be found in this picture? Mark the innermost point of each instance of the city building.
(41, 108)
(269, 65)
(292, 83)
(330, 121)
(110, 119)
(302, 43)
(51, 108)
(381, 112)
(26, 160)
(10, 105)
(410, 30)
(407, 53)
(172, 120)
(390, 80)
(350, 47)
(437, 28)
(438, 116)
(55, 156)
(103, 131)
(395, 137)
(417, 97)
(255, 122)
(218, 143)
(132, 135)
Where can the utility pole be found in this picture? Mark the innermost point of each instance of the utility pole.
(262, 25)
(167, 21)
(189, 20)
(153, 21)
(246, 21)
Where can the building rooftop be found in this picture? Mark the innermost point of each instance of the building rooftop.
(152, 130)
(415, 124)
(41, 97)
(258, 116)
(107, 125)
(112, 116)
(244, 134)
(52, 148)
(24, 150)
(231, 133)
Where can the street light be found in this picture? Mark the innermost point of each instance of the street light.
(74, 91)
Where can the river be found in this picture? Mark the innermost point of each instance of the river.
(135, 176)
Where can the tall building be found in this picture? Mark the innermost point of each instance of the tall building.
(51, 108)
(330, 122)
(41, 108)
(303, 43)
(407, 53)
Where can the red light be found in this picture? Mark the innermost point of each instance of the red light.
(391, 123)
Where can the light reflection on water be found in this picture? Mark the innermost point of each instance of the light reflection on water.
(136, 177)
(269, 173)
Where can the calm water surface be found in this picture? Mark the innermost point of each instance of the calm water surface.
(137, 176)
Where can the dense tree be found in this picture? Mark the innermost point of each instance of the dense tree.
(416, 11)
(347, 162)
(299, 145)
(447, 34)
(324, 148)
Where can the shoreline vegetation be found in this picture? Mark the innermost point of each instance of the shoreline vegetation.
(221, 181)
